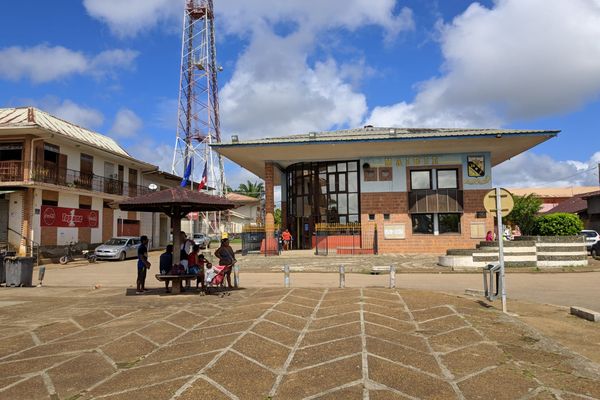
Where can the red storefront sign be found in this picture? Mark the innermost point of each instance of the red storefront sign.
(68, 217)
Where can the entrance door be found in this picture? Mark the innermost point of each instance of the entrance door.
(304, 232)
(3, 221)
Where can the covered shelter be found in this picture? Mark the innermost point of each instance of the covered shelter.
(176, 203)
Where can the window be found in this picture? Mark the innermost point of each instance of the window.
(420, 179)
(422, 223)
(449, 223)
(371, 217)
(50, 203)
(386, 217)
(447, 179)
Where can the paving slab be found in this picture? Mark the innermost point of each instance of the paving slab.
(282, 344)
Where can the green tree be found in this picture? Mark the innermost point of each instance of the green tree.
(252, 189)
(524, 213)
(277, 217)
(559, 224)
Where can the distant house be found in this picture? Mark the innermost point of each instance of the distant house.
(585, 205)
(593, 210)
(553, 196)
(246, 212)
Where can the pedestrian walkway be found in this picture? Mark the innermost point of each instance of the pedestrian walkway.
(276, 343)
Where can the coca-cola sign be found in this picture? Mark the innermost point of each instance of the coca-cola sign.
(69, 217)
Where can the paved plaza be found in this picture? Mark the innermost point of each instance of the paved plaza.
(361, 343)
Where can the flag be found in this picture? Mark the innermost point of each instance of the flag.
(186, 174)
(204, 179)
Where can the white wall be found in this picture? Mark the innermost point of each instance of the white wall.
(15, 217)
(97, 204)
(36, 223)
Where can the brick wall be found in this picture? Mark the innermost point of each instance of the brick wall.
(396, 204)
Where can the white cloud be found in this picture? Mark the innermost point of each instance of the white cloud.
(518, 59)
(45, 63)
(127, 124)
(68, 110)
(275, 89)
(159, 154)
(128, 18)
(533, 170)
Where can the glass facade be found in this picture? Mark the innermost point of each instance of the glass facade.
(321, 192)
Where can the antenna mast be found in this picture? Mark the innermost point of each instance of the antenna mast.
(198, 109)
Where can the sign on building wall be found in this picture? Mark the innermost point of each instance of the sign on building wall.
(394, 231)
(68, 217)
(476, 166)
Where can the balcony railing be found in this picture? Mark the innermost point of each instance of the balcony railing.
(14, 171)
(435, 201)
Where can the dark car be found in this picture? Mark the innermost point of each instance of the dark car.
(595, 251)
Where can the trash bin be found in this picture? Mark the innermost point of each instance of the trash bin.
(19, 271)
(2, 271)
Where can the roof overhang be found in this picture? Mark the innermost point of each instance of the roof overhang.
(252, 156)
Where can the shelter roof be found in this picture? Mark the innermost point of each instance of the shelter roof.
(369, 141)
(168, 200)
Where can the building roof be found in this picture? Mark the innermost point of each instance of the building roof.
(552, 192)
(184, 200)
(590, 194)
(369, 141)
(240, 198)
(573, 205)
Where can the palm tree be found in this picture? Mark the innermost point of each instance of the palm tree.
(252, 189)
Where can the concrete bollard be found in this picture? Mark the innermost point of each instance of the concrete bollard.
(286, 276)
(236, 276)
(342, 277)
(392, 276)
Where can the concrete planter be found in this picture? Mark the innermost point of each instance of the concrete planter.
(524, 251)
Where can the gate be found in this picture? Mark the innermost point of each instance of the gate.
(256, 241)
(345, 239)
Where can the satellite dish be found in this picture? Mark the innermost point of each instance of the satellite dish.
(152, 186)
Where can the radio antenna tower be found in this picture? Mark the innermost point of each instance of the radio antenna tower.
(198, 109)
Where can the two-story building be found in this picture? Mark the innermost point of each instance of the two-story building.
(406, 190)
(57, 181)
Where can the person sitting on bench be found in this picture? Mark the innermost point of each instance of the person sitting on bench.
(166, 263)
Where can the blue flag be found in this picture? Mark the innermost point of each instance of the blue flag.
(186, 174)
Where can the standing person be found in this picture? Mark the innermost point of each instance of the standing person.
(166, 263)
(287, 239)
(226, 257)
(142, 265)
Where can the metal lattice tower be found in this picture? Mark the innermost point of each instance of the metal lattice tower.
(198, 109)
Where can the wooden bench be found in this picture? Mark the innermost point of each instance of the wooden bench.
(176, 281)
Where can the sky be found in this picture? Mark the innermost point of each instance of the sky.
(296, 66)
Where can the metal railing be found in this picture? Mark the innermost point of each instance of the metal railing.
(14, 171)
(345, 239)
(435, 201)
(32, 248)
(256, 239)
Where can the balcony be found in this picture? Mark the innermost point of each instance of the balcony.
(435, 201)
(14, 171)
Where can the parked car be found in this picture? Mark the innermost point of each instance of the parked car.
(591, 238)
(201, 240)
(596, 250)
(118, 248)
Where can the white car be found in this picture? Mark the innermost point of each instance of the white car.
(201, 240)
(591, 237)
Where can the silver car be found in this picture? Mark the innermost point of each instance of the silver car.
(118, 248)
(201, 240)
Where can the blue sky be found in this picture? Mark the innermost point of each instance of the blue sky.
(297, 66)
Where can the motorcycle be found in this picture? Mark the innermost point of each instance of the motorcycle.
(71, 254)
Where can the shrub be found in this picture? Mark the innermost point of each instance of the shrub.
(524, 212)
(558, 224)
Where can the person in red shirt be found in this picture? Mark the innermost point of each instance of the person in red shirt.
(287, 239)
(196, 266)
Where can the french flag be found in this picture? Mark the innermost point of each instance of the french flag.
(204, 179)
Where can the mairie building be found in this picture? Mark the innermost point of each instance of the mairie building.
(409, 190)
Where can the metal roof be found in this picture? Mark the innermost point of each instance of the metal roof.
(24, 117)
(369, 133)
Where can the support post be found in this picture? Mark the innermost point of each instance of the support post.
(236, 276)
(286, 276)
(392, 276)
(176, 227)
(342, 277)
(500, 247)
